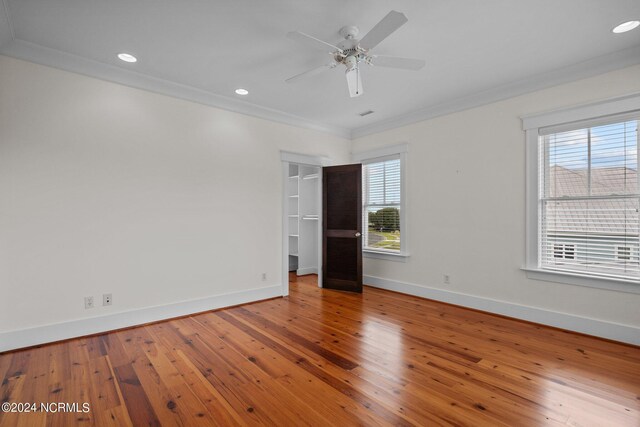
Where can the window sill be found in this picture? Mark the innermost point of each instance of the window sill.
(389, 256)
(619, 285)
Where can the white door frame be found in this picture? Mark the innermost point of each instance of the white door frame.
(287, 158)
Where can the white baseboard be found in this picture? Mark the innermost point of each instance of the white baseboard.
(308, 270)
(76, 328)
(599, 328)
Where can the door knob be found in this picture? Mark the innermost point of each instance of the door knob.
(358, 234)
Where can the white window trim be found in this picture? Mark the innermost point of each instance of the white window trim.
(380, 154)
(534, 125)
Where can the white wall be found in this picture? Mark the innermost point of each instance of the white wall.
(105, 188)
(466, 204)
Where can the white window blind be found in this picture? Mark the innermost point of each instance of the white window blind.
(589, 200)
(381, 198)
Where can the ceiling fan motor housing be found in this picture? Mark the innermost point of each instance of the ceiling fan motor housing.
(349, 32)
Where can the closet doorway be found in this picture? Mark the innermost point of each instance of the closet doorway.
(302, 218)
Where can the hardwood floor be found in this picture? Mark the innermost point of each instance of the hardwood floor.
(330, 358)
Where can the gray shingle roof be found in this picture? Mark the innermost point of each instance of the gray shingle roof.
(606, 216)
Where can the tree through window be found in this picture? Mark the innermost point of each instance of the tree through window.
(381, 198)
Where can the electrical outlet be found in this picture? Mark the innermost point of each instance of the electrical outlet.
(88, 302)
(446, 279)
(264, 276)
(107, 299)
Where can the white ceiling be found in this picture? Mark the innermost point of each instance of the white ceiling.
(476, 51)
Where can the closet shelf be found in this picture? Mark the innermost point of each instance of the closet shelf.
(303, 194)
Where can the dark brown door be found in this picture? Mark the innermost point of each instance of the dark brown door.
(342, 227)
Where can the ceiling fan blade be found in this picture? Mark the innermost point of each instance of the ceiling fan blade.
(313, 42)
(383, 29)
(397, 62)
(354, 82)
(311, 72)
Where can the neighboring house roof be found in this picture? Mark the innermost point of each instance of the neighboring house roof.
(606, 216)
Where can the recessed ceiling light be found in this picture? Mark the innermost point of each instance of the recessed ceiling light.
(242, 91)
(626, 26)
(126, 57)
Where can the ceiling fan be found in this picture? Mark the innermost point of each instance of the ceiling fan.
(352, 52)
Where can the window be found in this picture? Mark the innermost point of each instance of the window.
(589, 199)
(383, 202)
(583, 195)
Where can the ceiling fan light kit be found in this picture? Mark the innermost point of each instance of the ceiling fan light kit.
(352, 52)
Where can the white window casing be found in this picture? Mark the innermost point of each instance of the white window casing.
(384, 187)
(582, 193)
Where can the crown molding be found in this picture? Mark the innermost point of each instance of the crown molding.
(38, 54)
(592, 67)
(6, 29)
(20, 49)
